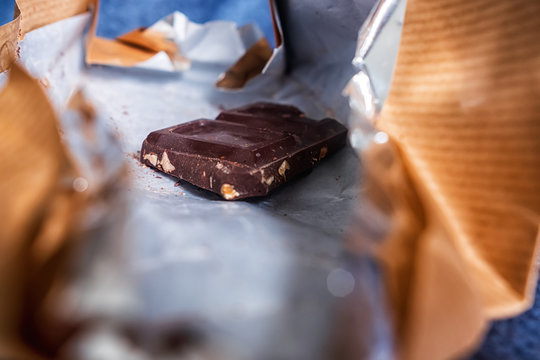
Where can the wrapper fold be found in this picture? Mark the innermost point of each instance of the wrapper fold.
(53, 198)
(38, 216)
(40, 208)
(30, 15)
(462, 182)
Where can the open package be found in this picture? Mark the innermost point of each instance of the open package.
(107, 258)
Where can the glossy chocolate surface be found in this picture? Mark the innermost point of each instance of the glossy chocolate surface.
(245, 152)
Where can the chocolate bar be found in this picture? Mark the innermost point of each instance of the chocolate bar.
(245, 152)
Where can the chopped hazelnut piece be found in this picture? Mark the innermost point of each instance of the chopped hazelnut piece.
(166, 164)
(283, 168)
(229, 192)
(152, 158)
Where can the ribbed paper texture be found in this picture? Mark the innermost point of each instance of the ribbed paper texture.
(464, 110)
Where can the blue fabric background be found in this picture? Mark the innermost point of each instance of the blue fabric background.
(120, 16)
(517, 338)
(6, 11)
(135, 13)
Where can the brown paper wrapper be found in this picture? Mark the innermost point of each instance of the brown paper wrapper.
(38, 214)
(30, 15)
(129, 49)
(462, 184)
(40, 208)
(247, 67)
(252, 63)
(111, 52)
(37, 13)
(148, 39)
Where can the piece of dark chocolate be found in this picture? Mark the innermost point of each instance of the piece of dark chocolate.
(245, 152)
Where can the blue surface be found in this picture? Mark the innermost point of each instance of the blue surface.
(135, 13)
(513, 339)
(6, 11)
(120, 16)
